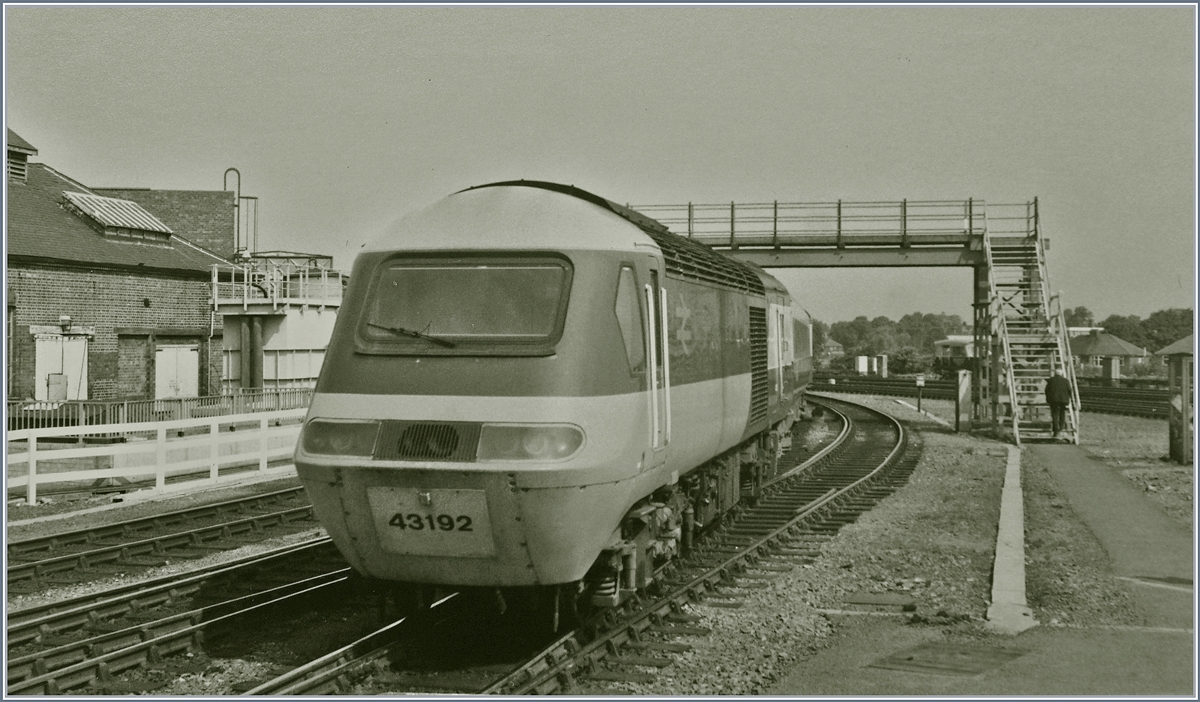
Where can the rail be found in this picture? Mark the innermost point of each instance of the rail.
(841, 224)
(30, 414)
(214, 448)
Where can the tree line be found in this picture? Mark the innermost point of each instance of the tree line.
(1160, 329)
(909, 342)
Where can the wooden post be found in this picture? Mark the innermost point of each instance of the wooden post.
(263, 444)
(160, 459)
(214, 450)
(31, 485)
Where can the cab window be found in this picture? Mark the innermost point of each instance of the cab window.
(629, 317)
(466, 305)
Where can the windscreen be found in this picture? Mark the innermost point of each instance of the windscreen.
(445, 305)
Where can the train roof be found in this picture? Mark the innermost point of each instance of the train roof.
(518, 214)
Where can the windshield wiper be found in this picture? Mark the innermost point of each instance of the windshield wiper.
(414, 334)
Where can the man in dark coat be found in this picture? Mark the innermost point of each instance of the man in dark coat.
(1058, 396)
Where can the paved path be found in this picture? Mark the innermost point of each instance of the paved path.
(1151, 553)
(1148, 549)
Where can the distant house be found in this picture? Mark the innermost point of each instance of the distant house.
(832, 349)
(955, 346)
(105, 299)
(1183, 347)
(1102, 350)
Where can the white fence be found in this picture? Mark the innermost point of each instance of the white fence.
(207, 449)
(26, 414)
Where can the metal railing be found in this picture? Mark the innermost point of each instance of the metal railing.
(1058, 328)
(30, 414)
(277, 283)
(1000, 322)
(1135, 402)
(839, 224)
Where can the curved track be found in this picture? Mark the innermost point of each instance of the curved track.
(445, 649)
(93, 643)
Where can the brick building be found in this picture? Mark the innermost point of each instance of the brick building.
(206, 216)
(109, 298)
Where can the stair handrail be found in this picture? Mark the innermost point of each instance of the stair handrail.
(1043, 269)
(1063, 338)
(1058, 323)
(998, 316)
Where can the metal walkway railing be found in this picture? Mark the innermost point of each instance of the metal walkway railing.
(838, 224)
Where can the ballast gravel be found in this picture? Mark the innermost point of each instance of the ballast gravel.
(931, 541)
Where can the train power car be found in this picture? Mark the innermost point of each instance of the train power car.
(533, 389)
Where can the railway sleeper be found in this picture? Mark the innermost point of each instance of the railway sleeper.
(633, 660)
(619, 676)
(796, 552)
(680, 630)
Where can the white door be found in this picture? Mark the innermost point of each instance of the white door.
(176, 371)
(60, 362)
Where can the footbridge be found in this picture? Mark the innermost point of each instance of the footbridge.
(1020, 333)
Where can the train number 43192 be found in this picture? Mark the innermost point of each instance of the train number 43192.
(430, 522)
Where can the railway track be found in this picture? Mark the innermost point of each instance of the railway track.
(148, 542)
(83, 642)
(113, 642)
(806, 505)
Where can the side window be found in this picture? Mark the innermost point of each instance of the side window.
(629, 317)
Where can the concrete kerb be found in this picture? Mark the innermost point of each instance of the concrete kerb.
(934, 417)
(1009, 612)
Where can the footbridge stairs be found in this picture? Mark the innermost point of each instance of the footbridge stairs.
(1020, 334)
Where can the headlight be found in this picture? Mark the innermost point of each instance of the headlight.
(339, 438)
(539, 442)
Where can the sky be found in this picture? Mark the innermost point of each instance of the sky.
(342, 119)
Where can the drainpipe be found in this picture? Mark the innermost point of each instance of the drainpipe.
(256, 354)
(244, 342)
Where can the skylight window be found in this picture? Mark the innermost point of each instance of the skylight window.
(118, 218)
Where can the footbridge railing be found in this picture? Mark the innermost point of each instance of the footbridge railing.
(845, 224)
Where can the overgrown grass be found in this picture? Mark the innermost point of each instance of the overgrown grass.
(1124, 440)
